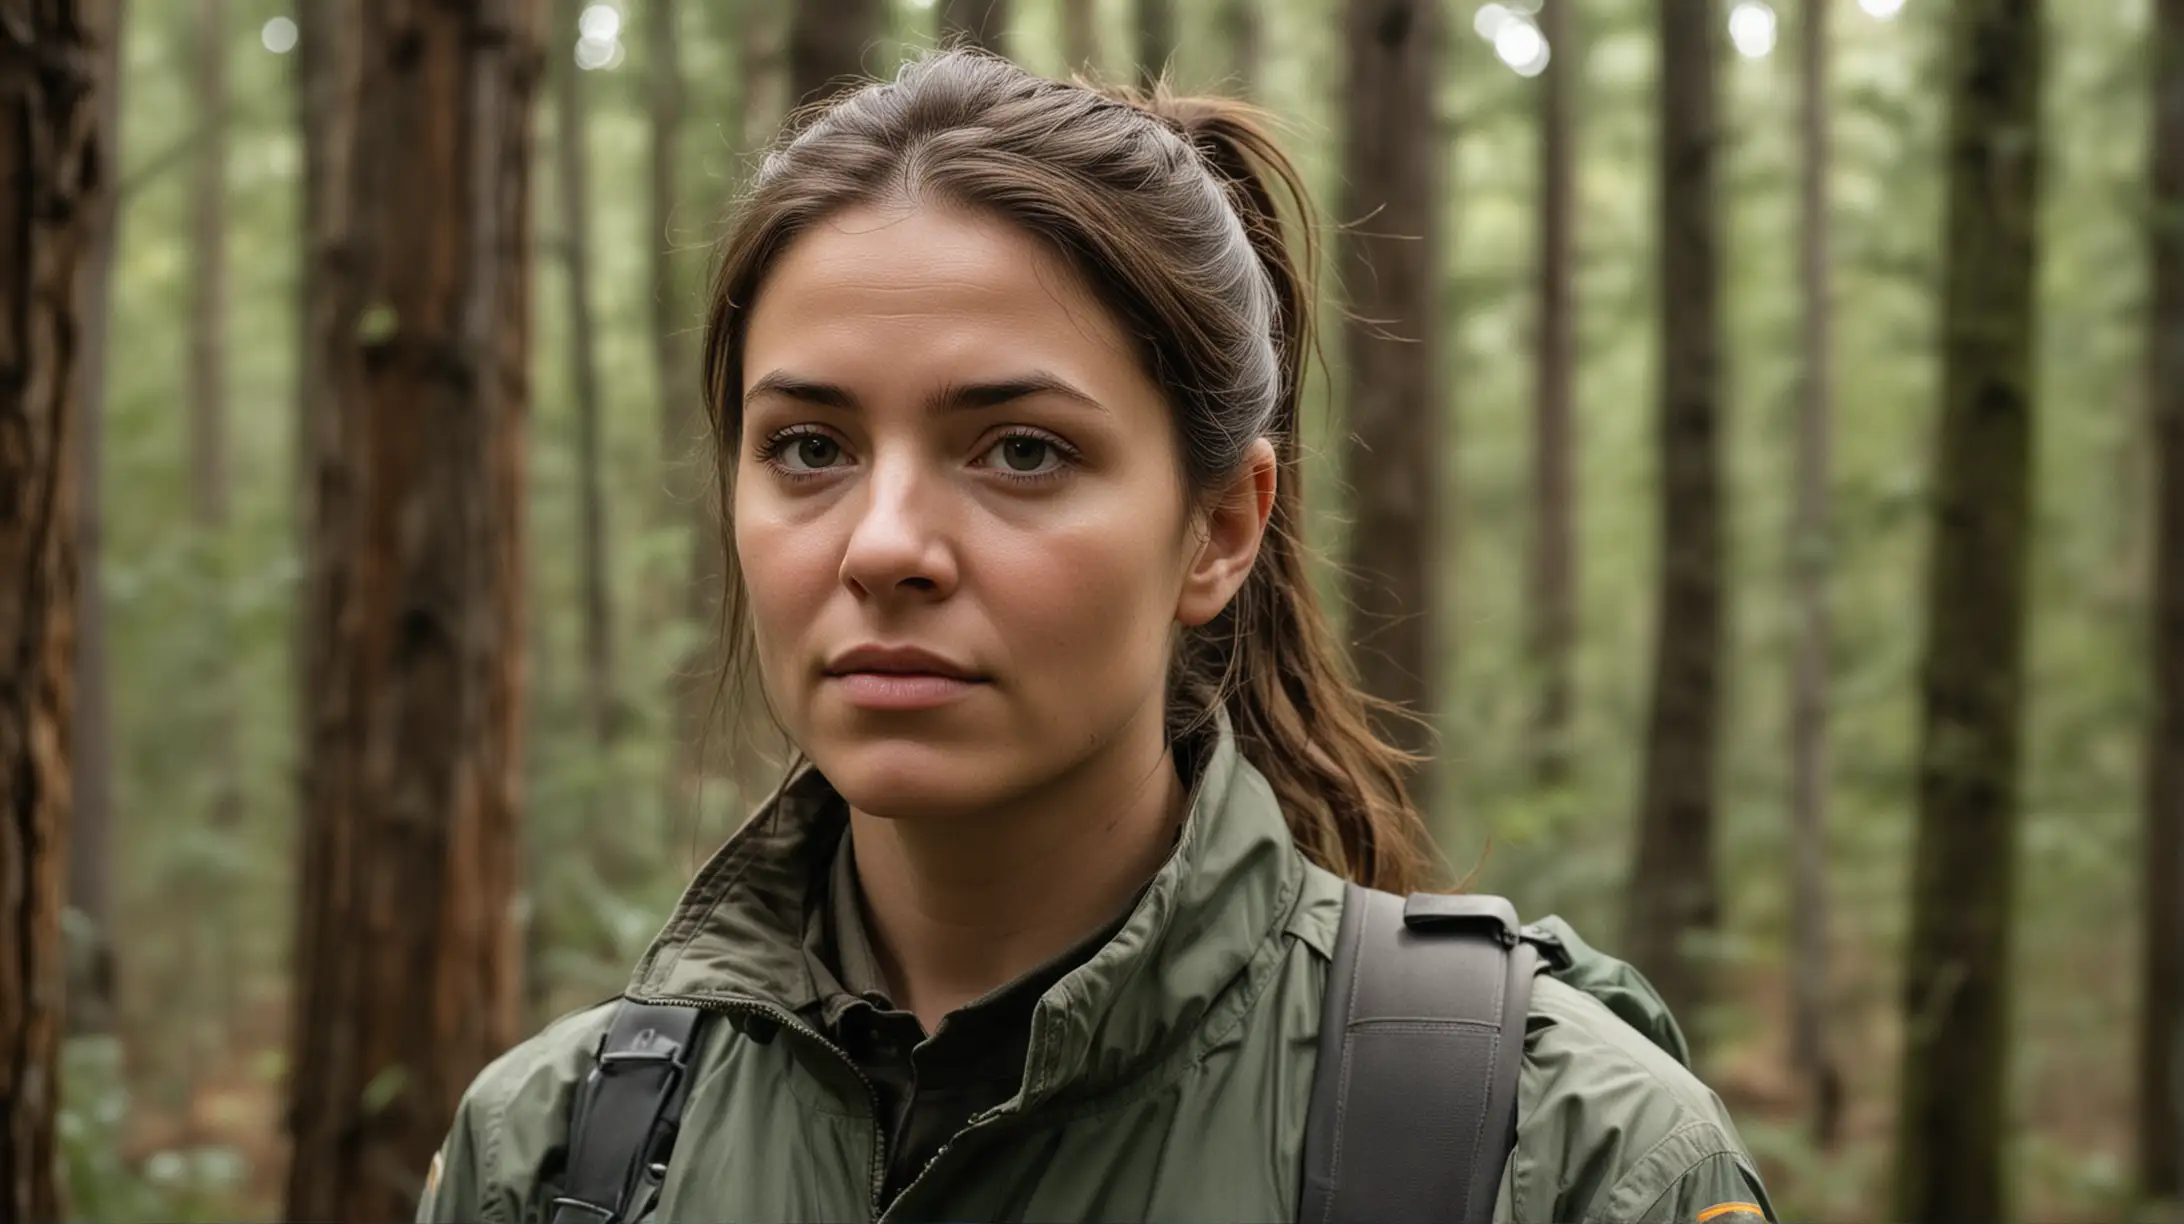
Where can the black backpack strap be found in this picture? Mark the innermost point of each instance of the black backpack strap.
(1414, 1104)
(623, 1119)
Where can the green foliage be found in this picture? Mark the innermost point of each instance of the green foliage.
(169, 1184)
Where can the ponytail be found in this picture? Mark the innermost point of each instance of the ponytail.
(1271, 660)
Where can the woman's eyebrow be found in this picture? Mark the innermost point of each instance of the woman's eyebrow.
(780, 382)
(952, 398)
(1006, 390)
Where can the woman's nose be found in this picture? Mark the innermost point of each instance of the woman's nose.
(899, 545)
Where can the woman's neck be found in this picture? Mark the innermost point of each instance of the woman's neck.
(960, 906)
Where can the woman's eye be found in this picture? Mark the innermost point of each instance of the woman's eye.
(1024, 455)
(810, 453)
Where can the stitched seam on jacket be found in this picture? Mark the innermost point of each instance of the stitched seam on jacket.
(1659, 1155)
(489, 1164)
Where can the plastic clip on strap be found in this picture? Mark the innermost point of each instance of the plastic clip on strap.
(625, 1114)
(1422, 1035)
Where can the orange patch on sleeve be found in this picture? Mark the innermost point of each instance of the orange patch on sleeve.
(1726, 1209)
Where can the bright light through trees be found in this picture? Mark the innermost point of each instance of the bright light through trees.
(1752, 28)
(599, 42)
(1521, 46)
(279, 36)
(1886, 10)
(600, 23)
(1516, 40)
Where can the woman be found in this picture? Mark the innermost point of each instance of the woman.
(1005, 375)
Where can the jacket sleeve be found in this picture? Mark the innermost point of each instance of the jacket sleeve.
(511, 1127)
(1719, 1189)
(461, 1184)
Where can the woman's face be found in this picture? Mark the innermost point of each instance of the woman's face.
(959, 513)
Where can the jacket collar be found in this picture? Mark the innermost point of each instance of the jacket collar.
(1214, 908)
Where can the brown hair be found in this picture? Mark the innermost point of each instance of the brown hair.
(1170, 208)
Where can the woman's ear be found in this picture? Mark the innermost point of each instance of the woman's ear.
(1228, 539)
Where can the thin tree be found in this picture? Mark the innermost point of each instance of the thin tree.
(51, 155)
(1390, 263)
(573, 181)
(675, 378)
(980, 23)
(1080, 34)
(1809, 563)
(406, 955)
(2161, 1050)
(1674, 897)
(1553, 624)
(91, 987)
(1955, 1104)
(208, 447)
(1155, 23)
(827, 43)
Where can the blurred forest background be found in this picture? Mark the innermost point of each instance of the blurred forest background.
(1555, 257)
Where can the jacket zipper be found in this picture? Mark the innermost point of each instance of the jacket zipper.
(978, 1122)
(876, 1175)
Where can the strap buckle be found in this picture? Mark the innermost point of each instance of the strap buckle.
(1426, 913)
(568, 1210)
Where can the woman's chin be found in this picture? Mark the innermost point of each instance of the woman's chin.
(906, 780)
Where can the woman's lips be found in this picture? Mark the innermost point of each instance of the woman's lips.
(900, 690)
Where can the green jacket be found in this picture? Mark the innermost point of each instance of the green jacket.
(1167, 1077)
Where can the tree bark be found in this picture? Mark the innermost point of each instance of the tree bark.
(1955, 1103)
(980, 23)
(1156, 39)
(1674, 897)
(1080, 34)
(51, 157)
(407, 958)
(205, 892)
(1554, 443)
(827, 43)
(91, 986)
(2161, 1055)
(573, 180)
(1243, 33)
(1810, 553)
(673, 372)
(1391, 262)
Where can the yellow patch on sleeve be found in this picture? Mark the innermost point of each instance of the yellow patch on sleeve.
(432, 1177)
(1718, 1210)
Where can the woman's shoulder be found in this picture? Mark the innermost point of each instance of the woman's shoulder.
(512, 1118)
(1612, 1125)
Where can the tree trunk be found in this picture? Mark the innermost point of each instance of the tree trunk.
(1674, 897)
(673, 372)
(675, 375)
(1554, 484)
(91, 993)
(573, 180)
(1809, 563)
(1242, 33)
(1955, 1103)
(207, 894)
(827, 43)
(1080, 34)
(980, 23)
(2161, 1065)
(1391, 269)
(1156, 39)
(51, 155)
(407, 958)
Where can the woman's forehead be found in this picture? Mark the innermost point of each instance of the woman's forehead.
(909, 288)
